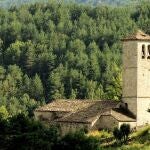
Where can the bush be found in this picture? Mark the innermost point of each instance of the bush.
(77, 141)
(141, 132)
(122, 133)
(117, 134)
(21, 133)
(100, 134)
(125, 131)
(3, 112)
(42, 139)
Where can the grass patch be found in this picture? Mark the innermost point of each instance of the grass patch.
(100, 134)
(139, 140)
(141, 132)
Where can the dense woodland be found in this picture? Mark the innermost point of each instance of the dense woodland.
(9, 3)
(52, 51)
(110, 2)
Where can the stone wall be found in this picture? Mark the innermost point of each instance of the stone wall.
(66, 127)
(106, 122)
(131, 104)
(44, 116)
(132, 124)
(130, 53)
(130, 57)
(143, 80)
(136, 79)
(48, 116)
(143, 116)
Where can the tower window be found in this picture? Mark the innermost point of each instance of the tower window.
(143, 52)
(126, 105)
(148, 52)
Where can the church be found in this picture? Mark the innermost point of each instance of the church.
(133, 109)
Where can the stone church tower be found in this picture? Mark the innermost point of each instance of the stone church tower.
(136, 76)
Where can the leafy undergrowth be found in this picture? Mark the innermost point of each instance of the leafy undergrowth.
(135, 146)
(139, 140)
(100, 134)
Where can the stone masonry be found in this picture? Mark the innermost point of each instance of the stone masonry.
(136, 76)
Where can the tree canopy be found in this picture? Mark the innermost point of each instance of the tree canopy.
(50, 51)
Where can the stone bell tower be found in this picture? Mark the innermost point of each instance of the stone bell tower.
(136, 75)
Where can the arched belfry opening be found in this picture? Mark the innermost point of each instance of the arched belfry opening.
(148, 52)
(143, 51)
(136, 75)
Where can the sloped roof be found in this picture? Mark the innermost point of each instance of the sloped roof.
(90, 113)
(87, 111)
(66, 105)
(138, 35)
(121, 115)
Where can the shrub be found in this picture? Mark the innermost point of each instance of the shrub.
(141, 132)
(122, 132)
(77, 141)
(42, 139)
(99, 134)
(21, 133)
(125, 131)
(3, 112)
(117, 134)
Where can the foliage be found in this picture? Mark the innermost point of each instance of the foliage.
(141, 133)
(125, 130)
(8, 3)
(122, 132)
(117, 134)
(56, 50)
(78, 141)
(3, 112)
(21, 132)
(100, 134)
(138, 140)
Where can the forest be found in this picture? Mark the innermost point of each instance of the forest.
(9, 3)
(63, 51)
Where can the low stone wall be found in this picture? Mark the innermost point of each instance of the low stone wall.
(44, 116)
(66, 127)
(48, 116)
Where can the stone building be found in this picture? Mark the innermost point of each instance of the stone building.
(72, 115)
(136, 76)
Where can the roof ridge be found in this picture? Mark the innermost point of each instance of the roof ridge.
(137, 35)
(82, 100)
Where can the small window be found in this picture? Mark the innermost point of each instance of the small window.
(143, 52)
(148, 52)
(126, 105)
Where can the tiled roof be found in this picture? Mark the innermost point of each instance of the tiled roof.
(90, 113)
(120, 115)
(139, 35)
(66, 105)
(87, 111)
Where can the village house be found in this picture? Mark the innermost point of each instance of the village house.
(72, 115)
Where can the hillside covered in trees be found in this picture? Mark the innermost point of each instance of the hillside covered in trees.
(111, 2)
(9, 3)
(58, 51)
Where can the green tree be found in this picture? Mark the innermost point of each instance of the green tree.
(125, 130)
(3, 112)
(37, 90)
